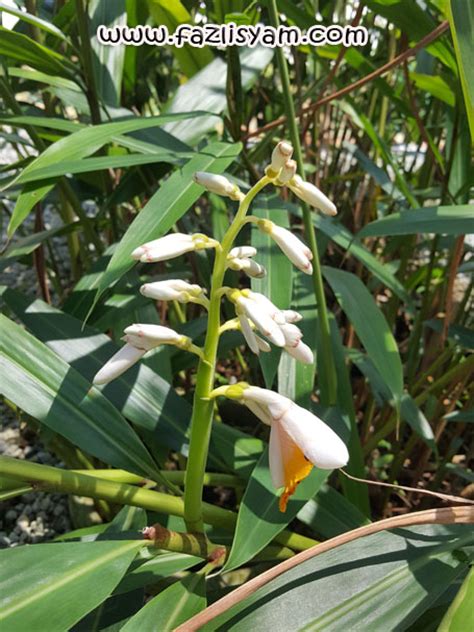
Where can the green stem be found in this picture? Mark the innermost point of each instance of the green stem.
(47, 478)
(201, 422)
(173, 476)
(328, 386)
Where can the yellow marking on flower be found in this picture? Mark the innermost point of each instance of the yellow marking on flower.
(296, 467)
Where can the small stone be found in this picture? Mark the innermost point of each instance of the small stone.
(4, 541)
(58, 510)
(45, 504)
(11, 515)
(23, 522)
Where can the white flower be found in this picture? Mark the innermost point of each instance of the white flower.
(288, 172)
(126, 357)
(298, 439)
(261, 312)
(239, 259)
(217, 184)
(249, 334)
(170, 246)
(281, 154)
(297, 252)
(312, 195)
(255, 343)
(172, 290)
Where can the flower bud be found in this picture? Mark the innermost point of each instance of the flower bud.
(217, 184)
(171, 290)
(312, 196)
(301, 352)
(250, 267)
(150, 336)
(288, 172)
(281, 154)
(126, 357)
(291, 316)
(292, 334)
(171, 246)
(297, 252)
(243, 252)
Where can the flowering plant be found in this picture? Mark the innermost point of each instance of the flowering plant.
(298, 439)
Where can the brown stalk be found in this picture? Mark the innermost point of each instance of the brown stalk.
(435, 33)
(447, 515)
(455, 261)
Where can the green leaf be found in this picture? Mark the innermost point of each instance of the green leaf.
(435, 85)
(102, 163)
(27, 245)
(207, 90)
(370, 325)
(461, 22)
(441, 220)
(48, 389)
(107, 60)
(277, 284)
(415, 22)
(44, 25)
(142, 396)
(462, 336)
(165, 208)
(49, 586)
(330, 513)
(154, 570)
(409, 410)
(296, 380)
(356, 493)
(460, 615)
(341, 236)
(384, 581)
(170, 608)
(191, 59)
(260, 519)
(80, 144)
(25, 50)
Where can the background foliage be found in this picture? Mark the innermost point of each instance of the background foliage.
(100, 144)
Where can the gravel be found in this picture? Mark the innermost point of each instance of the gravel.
(34, 516)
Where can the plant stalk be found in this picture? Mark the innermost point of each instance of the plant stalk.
(47, 478)
(201, 422)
